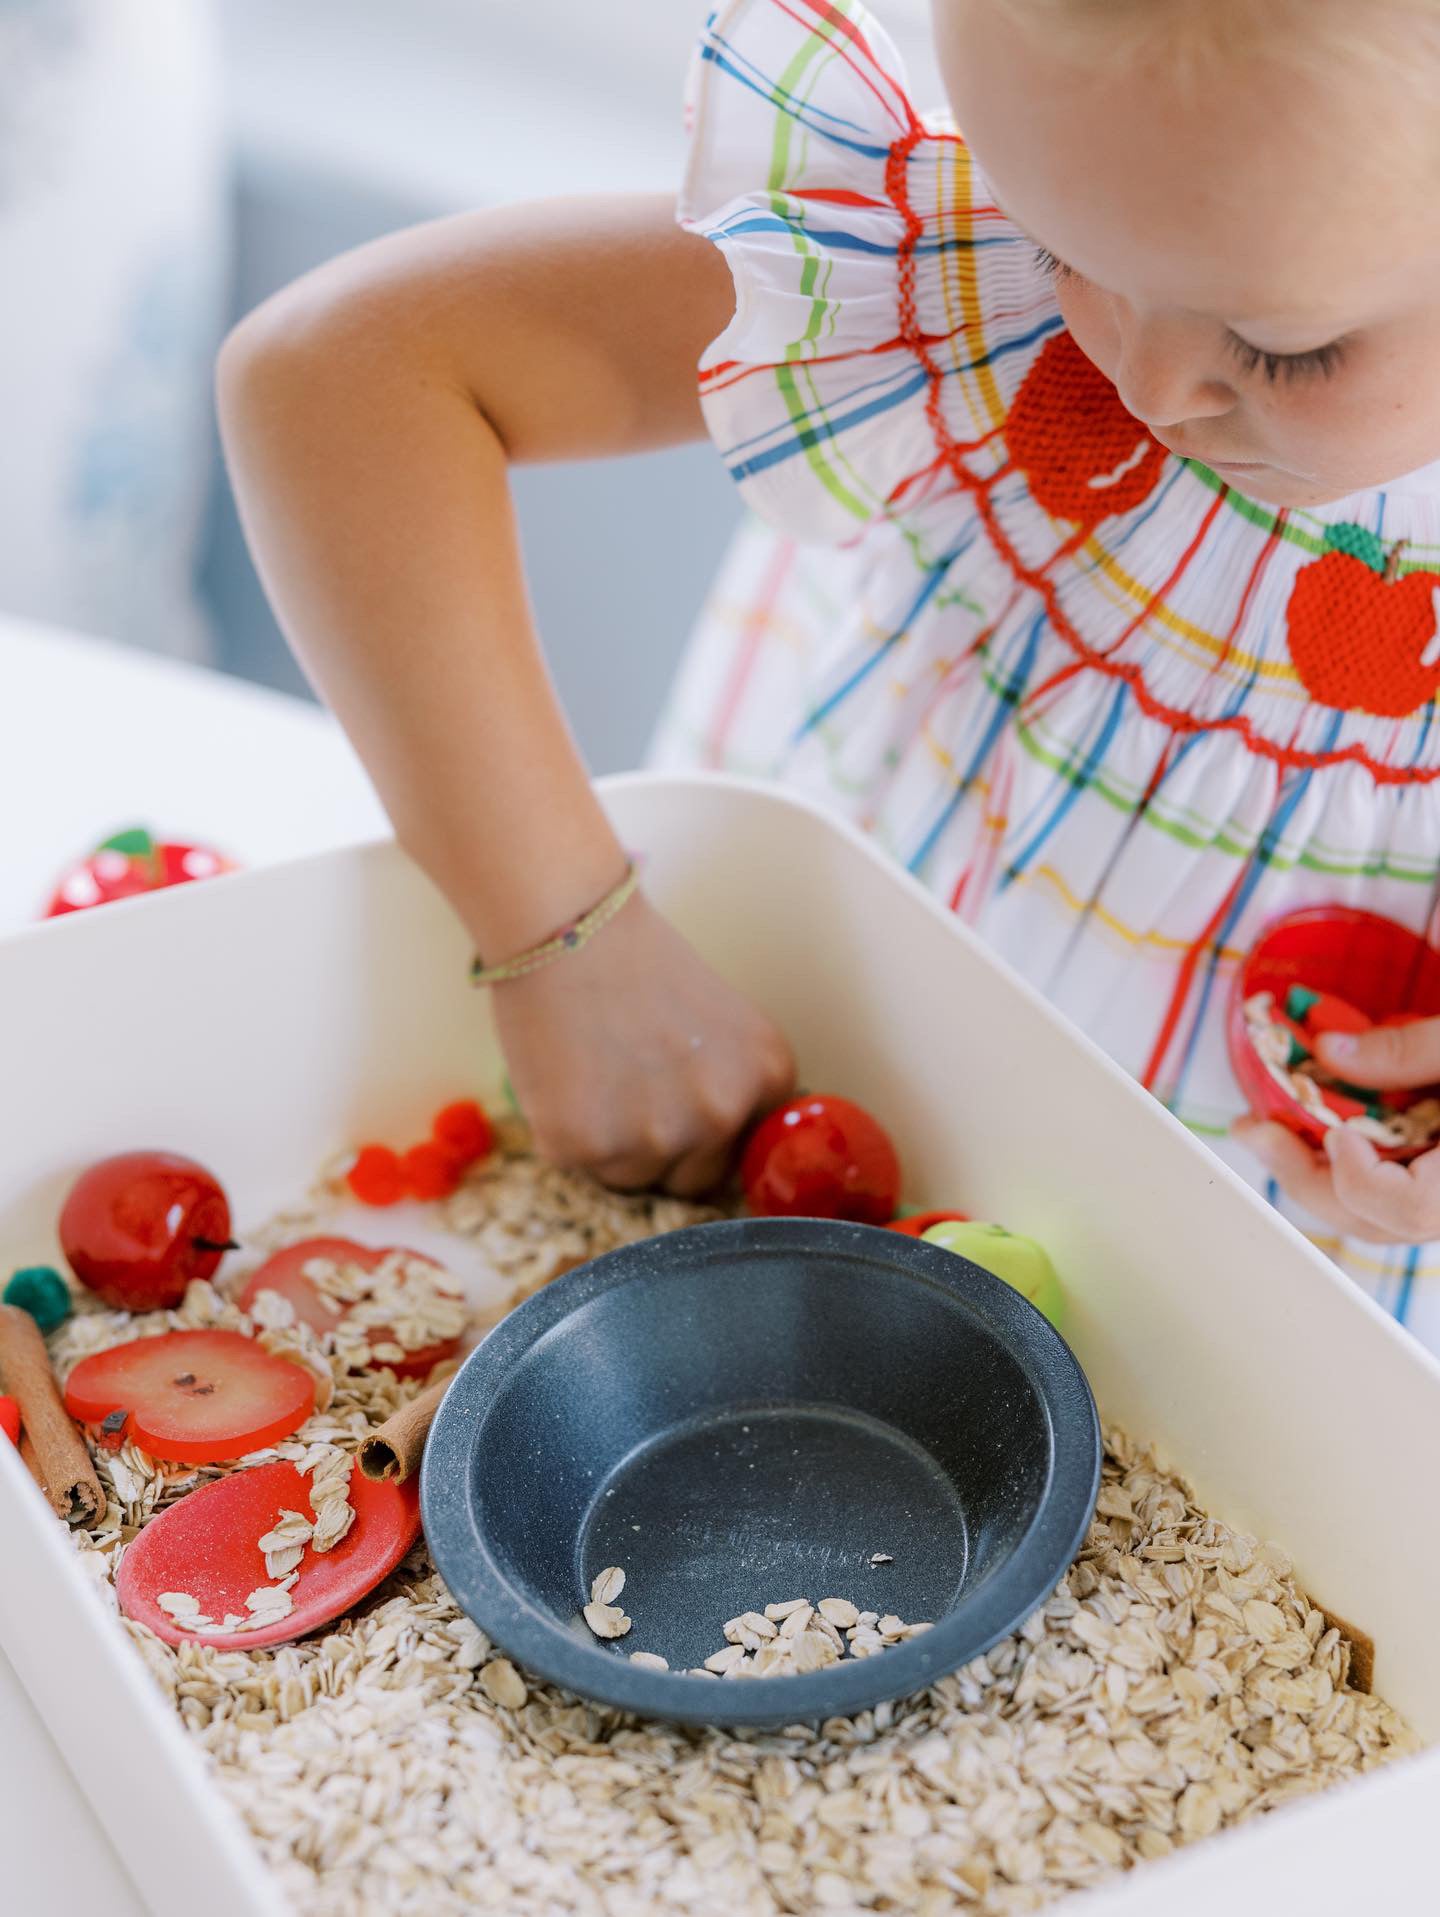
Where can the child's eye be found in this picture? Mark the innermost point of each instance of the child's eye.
(1321, 359)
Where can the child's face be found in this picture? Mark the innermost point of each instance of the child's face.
(1255, 264)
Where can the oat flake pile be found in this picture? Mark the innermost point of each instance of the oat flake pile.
(1175, 1683)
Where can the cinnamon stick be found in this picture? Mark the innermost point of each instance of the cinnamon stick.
(58, 1455)
(392, 1452)
(30, 1461)
(1361, 1675)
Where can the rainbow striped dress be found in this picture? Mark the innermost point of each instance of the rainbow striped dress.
(1117, 715)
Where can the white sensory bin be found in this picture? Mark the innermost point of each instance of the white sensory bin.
(261, 1022)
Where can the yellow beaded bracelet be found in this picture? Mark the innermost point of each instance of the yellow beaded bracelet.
(568, 939)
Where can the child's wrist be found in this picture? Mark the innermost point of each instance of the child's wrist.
(572, 936)
(538, 893)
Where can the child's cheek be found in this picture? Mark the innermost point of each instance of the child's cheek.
(1335, 429)
(1086, 313)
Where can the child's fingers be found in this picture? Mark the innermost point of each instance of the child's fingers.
(738, 1091)
(633, 1171)
(1305, 1176)
(1389, 1057)
(1302, 1173)
(699, 1172)
(1401, 1200)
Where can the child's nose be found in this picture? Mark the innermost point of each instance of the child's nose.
(1166, 372)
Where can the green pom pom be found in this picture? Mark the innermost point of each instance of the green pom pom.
(1359, 542)
(40, 1290)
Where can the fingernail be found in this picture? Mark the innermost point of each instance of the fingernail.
(1340, 1045)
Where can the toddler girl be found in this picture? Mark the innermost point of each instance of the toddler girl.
(1097, 561)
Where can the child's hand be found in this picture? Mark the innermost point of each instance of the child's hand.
(1348, 1185)
(631, 1059)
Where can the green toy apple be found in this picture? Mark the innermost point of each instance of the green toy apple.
(1019, 1262)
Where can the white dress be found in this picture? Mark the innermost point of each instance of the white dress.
(1117, 715)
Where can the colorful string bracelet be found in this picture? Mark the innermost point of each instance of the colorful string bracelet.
(568, 939)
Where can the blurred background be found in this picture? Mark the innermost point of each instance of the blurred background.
(166, 164)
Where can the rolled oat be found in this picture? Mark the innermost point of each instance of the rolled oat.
(607, 1586)
(606, 1620)
(379, 1776)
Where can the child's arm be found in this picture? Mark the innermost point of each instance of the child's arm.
(369, 413)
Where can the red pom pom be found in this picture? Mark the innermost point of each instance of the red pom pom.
(430, 1170)
(10, 1419)
(376, 1177)
(464, 1131)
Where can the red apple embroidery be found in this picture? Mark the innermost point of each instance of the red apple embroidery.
(1362, 642)
(1085, 457)
(129, 863)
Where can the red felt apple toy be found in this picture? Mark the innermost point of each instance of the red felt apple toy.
(138, 1227)
(130, 863)
(1360, 640)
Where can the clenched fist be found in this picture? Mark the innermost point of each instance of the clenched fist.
(631, 1059)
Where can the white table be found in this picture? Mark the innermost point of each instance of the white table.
(93, 738)
(97, 737)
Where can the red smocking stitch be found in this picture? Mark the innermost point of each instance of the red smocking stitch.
(896, 185)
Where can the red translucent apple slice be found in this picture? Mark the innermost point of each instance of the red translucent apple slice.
(285, 1273)
(207, 1547)
(198, 1397)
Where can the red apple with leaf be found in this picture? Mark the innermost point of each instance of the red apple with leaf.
(129, 863)
(1363, 637)
(1086, 458)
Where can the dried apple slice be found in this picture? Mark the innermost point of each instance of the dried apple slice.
(198, 1397)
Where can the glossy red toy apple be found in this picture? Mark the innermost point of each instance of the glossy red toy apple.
(284, 1273)
(128, 864)
(821, 1157)
(138, 1227)
(199, 1397)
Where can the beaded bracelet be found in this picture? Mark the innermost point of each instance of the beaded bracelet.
(568, 939)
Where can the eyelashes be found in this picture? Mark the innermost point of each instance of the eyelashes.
(1050, 263)
(1320, 362)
